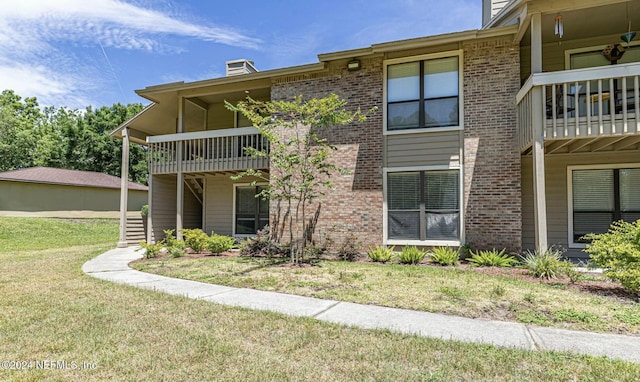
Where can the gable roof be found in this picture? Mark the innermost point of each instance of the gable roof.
(49, 175)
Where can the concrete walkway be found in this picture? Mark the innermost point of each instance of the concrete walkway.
(113, 266)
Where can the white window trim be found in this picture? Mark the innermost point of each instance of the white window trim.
(450, 53)
(233, 221)
(570, 170)
(594, 48)
(385, 210)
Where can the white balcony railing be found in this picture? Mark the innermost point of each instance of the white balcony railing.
(203, 151)
(582, 103)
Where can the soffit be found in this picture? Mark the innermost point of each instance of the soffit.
(610, 19)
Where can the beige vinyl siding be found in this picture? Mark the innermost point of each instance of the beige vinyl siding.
(64, 201)
(219, 204)
(423, 149)
(163, 204)
(218, 201)
(553, 54)
(490, 8)
(556, 193)
(193, 118)
(220, 117)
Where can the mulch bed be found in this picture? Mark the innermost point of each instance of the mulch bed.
(600, 286)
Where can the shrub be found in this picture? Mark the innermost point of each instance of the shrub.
(572, 273)
(262, 245)
(151, 250)
(176, 252)
(618, 252)
(547, 264)
(171, 241)
(465, 251)
(493, 258)
(411, 255)
(380, 254)
(219, 243)
(314, 251)
(195, 239)
(144, 211)
(350, 248)
(445, 255)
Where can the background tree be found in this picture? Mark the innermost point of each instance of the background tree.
(300, 165)
(65, 138)
(19, 124)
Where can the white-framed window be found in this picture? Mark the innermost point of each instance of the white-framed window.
(250, 213)
(422, 206)
(423, 92)
(600, 195)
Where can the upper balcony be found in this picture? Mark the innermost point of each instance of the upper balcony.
(593, 109)
(206, 151)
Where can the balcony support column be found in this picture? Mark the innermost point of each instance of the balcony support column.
(539, 188)
(179, 174)
(150, 238)
(536, 43)
(537, 149)
(124, 188)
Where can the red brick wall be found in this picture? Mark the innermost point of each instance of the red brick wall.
(354, 204)
(491, 159)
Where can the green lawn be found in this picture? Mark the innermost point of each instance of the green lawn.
(51, 312)
(428, 288)
(41, 233)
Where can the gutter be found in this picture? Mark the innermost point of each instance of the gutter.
(420, 42)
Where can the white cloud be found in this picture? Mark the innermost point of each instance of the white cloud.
(115, 23)
(35, 36)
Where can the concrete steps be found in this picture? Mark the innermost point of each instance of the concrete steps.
(136, 229)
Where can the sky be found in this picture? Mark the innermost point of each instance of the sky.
(79, 53)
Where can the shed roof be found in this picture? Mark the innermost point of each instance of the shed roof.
(61, 176)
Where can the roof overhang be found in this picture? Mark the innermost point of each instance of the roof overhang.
(421, 42)
(248, 78)
(159, 117)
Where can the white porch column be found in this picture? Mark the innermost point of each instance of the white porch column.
(537, 119)
(536, 43)
(179, 175)
(124, 188)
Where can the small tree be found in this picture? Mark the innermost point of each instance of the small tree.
(300, 166)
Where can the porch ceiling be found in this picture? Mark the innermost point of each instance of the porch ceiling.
(611, 19)
(614, 143)
(162, 118)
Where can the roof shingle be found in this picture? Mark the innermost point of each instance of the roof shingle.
(51, 175)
